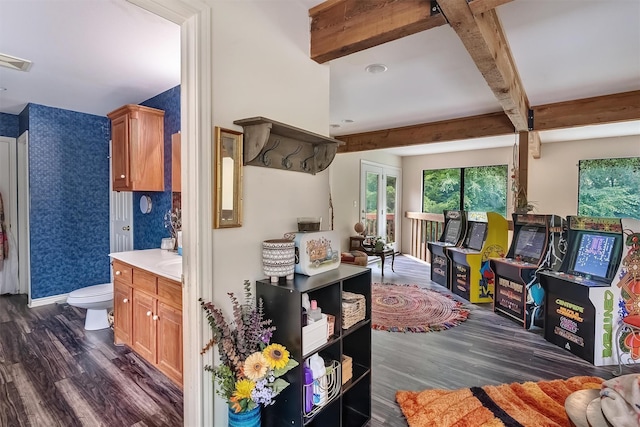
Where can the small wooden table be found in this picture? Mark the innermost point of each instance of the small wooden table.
(371, 251)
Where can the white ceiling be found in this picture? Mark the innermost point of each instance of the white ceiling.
(96, 55)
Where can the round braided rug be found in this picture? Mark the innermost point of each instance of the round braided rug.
(410, 308)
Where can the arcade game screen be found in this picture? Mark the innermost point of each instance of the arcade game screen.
(594, 255)
(530, 243)
(451, 233)
(476, 235)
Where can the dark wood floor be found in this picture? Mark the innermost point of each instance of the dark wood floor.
(486, 349)
(54, 373)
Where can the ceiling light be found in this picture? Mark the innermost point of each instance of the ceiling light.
(347, 121)
(334, 126)
(376, 68)
(14, 62)
(2, 89)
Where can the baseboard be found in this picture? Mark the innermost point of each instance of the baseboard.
(48, 300)
(417, 259)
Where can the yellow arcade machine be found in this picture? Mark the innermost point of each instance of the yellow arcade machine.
(471, 277)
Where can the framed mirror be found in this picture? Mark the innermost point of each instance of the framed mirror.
(227, 182)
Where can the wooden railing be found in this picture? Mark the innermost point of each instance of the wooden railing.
(425, 227)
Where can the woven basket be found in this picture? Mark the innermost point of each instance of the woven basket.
(353, 309)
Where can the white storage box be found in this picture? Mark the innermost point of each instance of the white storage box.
(314, 335)
(316, 252)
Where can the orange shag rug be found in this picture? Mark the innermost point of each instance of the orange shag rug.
(511, 405)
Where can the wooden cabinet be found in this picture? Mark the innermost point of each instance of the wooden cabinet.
(148, 317)
(137, 154)
(283, 304)
(176, 168)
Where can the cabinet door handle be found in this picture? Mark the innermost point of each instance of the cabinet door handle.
(126, 300)
(149, 313)
(121, 176)
(118, 273)
(155, 317)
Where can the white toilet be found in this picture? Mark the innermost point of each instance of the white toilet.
(97, 299)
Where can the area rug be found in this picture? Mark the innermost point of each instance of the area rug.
(511, 405)
(410, 308)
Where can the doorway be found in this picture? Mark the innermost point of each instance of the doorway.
(379, 195)
(9, 281)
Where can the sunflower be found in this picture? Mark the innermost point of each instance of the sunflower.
(255, 366)
(276, 355)
(244, 389)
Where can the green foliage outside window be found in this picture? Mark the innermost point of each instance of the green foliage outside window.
(609, 187)
(483, 188)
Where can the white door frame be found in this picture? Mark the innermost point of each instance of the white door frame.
(196, 94)
(383, 171)
(23, 237)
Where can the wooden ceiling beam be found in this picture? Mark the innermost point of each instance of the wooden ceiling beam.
(480, 6)
(343, 27)
(484, 39)
(580, 112)
(588, 111)
(449, 130)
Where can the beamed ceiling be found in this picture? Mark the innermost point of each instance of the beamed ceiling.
(341, 29)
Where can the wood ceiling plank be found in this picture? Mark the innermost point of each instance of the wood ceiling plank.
(449, 130)
(484, 39)
(480, 6)
(535, 145)
(342, 27)
(580, 112)
(588, 111)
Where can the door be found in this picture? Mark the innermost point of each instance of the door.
(144, 326)
(122, 310)
(121, 219)
(9, 191)
(379, 197)
(169, 325)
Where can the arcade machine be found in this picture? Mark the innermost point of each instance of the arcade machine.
(538, 244)
(579, 298)
(455, 227)
(471, 277)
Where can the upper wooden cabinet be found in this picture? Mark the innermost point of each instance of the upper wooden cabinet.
(176, 169)
(137, 154)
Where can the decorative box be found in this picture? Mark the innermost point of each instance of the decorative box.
(316, 251)
(353, 309)
(347, 368)
(314, 335)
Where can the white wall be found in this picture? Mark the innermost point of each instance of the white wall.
(553, 179)
(262, 68)
(345, 188)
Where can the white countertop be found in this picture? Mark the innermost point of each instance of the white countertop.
(157, 261)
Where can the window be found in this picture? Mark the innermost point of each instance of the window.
(609, 187)
(482, 188)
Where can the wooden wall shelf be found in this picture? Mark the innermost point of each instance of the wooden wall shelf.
(268, 143)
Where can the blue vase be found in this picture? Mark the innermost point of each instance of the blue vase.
(245, 419)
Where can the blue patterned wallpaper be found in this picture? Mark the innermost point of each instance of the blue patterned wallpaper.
(69, 196)
(148, 229)
(9, 125)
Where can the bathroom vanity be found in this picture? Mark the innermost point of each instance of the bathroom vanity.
(147, 307)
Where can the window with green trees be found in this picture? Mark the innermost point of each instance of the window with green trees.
(482, 188)
(609, 187)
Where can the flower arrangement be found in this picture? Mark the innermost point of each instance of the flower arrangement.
(251, 366)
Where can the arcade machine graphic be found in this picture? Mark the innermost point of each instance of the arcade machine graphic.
(538, 244)
(580, 298)
(486, 238)
(455, 228)
(628, 302)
